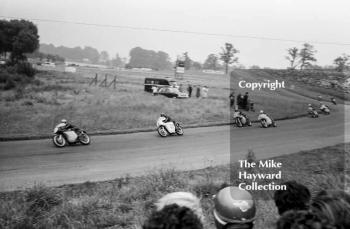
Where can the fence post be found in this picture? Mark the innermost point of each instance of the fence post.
(114, 82)
(94, 80)
(104, 82)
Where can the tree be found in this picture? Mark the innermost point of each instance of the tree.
(211, 62)
(228, 55)
(18, 37)
(255, 67)
(104, 57)
(342, 62)
(292, 57)
(307, 56)
(188, 61)
(117, 61)
(196, 65)
(142, 58)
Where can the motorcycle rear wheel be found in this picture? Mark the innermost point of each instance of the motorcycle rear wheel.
(162, 131)
(59, 141)
(84, 139)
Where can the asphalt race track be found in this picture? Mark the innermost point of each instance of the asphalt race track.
(24, 163)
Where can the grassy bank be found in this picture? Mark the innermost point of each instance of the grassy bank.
(126, 202)
(34, 109)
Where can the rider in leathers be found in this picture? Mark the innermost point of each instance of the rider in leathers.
(263, 115)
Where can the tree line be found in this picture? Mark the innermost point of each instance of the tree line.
(19, 39)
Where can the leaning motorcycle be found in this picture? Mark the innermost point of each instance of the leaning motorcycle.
(63, 136)
(313, 114)
(325, 111)
(168, 128)
(242, 121)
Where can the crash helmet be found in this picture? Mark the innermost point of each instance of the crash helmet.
(234, 206)
(261, 112)
(162, 114)
(310, 105)
(64, 121)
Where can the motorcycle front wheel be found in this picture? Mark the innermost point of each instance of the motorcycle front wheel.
(263, 124)
(59, 141)
(162, 131)
(84, 139)
(179, 130)
(238, 122)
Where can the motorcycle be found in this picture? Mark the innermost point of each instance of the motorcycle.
(325, 111)
(168, 128)
(265, 125)
(242, 121)
(313, 114)
(63, 136)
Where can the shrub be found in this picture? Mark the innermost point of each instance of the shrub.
(10, 83)
(26, 69)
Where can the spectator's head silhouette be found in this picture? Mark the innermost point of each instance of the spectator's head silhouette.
(302, 219)
(182, 199)
(335, 209)
(173, 217)
(295, 197)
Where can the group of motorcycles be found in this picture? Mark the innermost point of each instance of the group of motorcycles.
(68, 136)
(323, 110)
(242, 120)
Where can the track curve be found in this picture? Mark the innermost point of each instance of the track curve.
(24, 163)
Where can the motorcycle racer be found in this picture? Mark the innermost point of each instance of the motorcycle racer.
(311, 111)
(68, 126)
(323, 107)
(263, 115)
(243, 117)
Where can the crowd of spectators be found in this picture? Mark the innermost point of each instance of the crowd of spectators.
(234, 208)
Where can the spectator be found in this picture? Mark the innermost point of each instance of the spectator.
(232, 98)
(295, 197)
(245, 102)
(205, 91)
(189, 89)
(234, 208)
(173, 217)
(334, 209)
(302, 220)
(183, 199)
(198, 91)
(154, 90)
(239, 100)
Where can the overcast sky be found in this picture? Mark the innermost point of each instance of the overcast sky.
(305, 20)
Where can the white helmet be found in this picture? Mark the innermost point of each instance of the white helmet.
(309, 105)
(261, 112)
(63, 121)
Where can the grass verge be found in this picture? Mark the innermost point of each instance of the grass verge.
(34, 109)
(126, 202)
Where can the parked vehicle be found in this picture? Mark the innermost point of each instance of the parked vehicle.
(63, 136)
(157, 82)
(168, 128)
